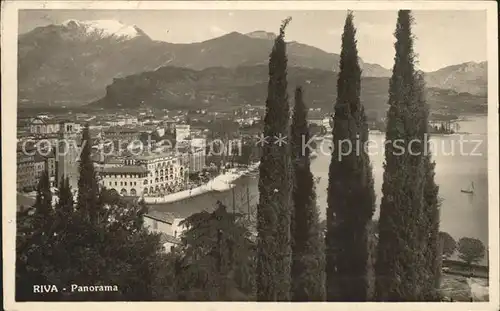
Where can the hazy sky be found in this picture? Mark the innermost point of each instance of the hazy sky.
(443, 37)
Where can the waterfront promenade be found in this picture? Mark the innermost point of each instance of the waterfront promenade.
(220, 183)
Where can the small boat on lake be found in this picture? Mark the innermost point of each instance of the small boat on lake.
(470, 190)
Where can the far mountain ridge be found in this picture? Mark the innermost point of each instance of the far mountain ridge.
(469, 77)
(73, 62)
(220, 89)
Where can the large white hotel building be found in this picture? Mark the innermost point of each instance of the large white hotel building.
(146, 175)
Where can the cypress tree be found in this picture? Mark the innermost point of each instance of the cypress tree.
(216, 257)
(429, 233)
(274, 209)
(308, 259)
(400, 261)
(43, 202)
(88, 190)
(351, 195)
(65, 203)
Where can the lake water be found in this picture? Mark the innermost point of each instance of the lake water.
(460, 161)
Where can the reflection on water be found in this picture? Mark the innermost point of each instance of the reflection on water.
(462, 214)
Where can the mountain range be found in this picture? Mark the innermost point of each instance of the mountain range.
(73, 63)
(470, 77)
(224, 89)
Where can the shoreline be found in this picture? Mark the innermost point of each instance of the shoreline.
(220, 183)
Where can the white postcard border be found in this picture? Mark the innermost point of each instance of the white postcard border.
(9, 25)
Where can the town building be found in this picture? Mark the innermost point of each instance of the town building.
(102, 160)
(182, 132)
(166, 225)
(39, 166)
(39, 126)
(45, 162)
(51, 164)
(121, 136)
(168, 171)
(197, 158)
(150, 174)
(328, 123)
(159, 222)
(31, 163)
(193, 151)
(316, 121)
(25, 171)
(46, 127)
(127, 180)
(67, 153)
(130, 120)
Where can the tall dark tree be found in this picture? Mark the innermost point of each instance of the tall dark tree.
(43, 203)
(69, 247)
(88, 189)
(217, 258)
(351, 195)
(35, 243)
(65, 204)
(274, 209)
(400, 259)
(308, 257)
(429, 228)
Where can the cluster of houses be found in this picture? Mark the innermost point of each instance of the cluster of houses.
(154, 172)
(53, 144)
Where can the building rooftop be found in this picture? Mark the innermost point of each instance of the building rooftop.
(109, 159)
(161, 216)
(120, 130)
(131, 169)
(167, 238)
(55, 120)
(153, 155)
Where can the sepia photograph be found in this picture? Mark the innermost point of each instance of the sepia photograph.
(232, 151)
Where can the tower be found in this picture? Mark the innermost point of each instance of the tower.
(67, 154)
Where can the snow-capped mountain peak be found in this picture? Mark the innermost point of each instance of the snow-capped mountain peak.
(105, 28)
(261, 34)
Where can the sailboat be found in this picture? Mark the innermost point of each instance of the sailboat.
(470, 190)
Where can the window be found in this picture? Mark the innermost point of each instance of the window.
(116, 183)
(121, 183)
(125, 183)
